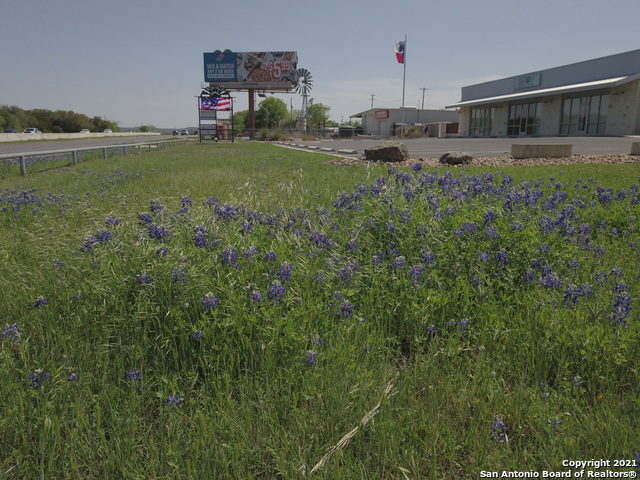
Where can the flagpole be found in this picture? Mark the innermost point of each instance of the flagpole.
(404, 76)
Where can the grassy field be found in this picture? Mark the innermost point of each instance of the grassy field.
(246, 311)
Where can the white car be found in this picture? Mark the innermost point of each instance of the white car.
(107, 130)
(31, 130)
(85, 130)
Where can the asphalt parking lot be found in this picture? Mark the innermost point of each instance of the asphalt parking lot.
(480, 147)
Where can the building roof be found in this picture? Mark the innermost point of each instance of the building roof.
(576, 87)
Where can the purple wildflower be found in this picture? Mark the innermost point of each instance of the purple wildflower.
(12, 333)
(174, 399)
(180, 275)
(416, 273)
(285, 272)
(143, 278)
(157, 233)
(41, 302)
(112, 221)
(209, 301)
(37, 379)
(197, 335)
(311, 358)
(134, 374)
(73, 377)
(256, 296)
(275, 294)
(499, 430)
(398, 263)
(270, 257)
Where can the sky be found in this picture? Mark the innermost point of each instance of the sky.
(140, 62)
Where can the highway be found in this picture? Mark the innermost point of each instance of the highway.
(45, 145)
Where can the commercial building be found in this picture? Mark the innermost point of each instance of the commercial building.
(595, 97)
(385, 121)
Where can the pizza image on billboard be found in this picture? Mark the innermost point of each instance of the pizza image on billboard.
(260, 70)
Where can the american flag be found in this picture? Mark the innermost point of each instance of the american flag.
(215, 103)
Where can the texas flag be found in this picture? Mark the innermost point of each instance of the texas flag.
(400, 51)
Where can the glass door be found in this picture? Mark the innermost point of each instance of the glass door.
(583, 115)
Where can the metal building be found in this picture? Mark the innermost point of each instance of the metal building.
(385, 121)
(594, 97)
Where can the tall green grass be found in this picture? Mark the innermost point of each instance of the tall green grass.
(235, 311)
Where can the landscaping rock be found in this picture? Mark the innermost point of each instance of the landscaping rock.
(456, 158)
(387, 152)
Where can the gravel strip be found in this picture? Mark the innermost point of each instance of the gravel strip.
(504, 161)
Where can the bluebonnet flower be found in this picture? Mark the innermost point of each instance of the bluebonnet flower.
(250, 252)
(186, 202)
(492, 232)
(421, 230)
(490, 216)
(502, 259)
(112, 221)
(73, 377)
(485, 257)
(601, 278)
(284, 274)
(499, 430)
(229, 257)
(275, 294)
(311, 358)
(103, 236)
(226, 212)
(143, 278)
(57, 263)
(37, 379)
(621, 308)
(517, 227)
(209, 301)
(398, 263)
(157, 233)
(346, 309)
(428, 258)
(246, 227)
(11, 332)
(317, 340)
(162, 251)
(393, 249)
(180, 275)
(256, 296)
(87, 245)
(134, 374)
(556, 424)
(156, 206)
(529, 276)
(417, 167)
(352, 245)
(573, 264)
(416, 272)
(41, 302)
(347, 271)
(145, 219)
(572, 294)
(376, 259)
(270, 257)
(405, 217)
(197, 335)
(200, 240)
(432, 329)
(617, 272)
(174, 399)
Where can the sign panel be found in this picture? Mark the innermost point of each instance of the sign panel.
(379, 114)
(527, 81)
(259, 70)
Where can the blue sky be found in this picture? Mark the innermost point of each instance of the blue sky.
(141, 61)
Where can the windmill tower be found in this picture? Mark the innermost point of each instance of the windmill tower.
(304, 83)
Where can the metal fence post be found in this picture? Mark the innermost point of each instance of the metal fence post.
(105, 153)
(74, 154)
(23, 166)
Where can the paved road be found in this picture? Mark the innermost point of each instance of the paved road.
(43, 146)
(481, 147)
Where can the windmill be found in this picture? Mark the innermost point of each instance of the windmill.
(304, 83)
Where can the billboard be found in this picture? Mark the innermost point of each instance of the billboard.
(244, 70)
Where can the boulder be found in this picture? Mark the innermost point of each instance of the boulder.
(387, 152)
(456, 158)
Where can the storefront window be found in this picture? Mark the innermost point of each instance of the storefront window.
(524, 119)
(481, 122)
(584, 115)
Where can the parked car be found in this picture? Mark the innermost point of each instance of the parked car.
(85, 130)
(31, 130)
(107, 130)
(175, 132)
(10, 130)
(184, 132)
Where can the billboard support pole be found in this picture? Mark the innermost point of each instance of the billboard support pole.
(252, 114)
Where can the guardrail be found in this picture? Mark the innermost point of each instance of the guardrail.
(24, 158)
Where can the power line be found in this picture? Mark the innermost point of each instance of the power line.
(372, 96)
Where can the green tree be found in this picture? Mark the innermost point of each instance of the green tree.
(241, 121)
(272, 113)
(317, 116)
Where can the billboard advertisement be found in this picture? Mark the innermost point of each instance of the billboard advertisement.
(244, 70)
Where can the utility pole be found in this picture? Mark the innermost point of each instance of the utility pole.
(423, 90)
(372, 95)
